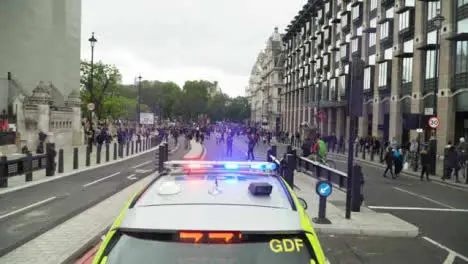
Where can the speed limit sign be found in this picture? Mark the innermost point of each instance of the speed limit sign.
(433, 122)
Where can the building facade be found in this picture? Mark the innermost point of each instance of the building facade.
(266, 84)
(397, 39)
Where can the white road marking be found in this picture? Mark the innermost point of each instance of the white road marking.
(142, 164)
(451, 186)
(28, 207)
(101, 179)
(142, 171)
(418, 209)
(452, 254)
(132, 177)
(423, 197)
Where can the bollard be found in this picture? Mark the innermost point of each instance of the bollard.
(50, 159)
(143, 145)
(75, 158)
(289, 173)
(60, 161)
(98, 153)
(115, 150)
(357, 151)
(29, 166)
(364, 153)
(88, 156)
(268, 156)
(274, 150)
(288, 149)
(128, 148)
(372, 154)
(133, 147)
(357, 181)
(3, 172)
(121, 149)
(161, 158)
(381, 154)
(166, 149)
(323, 190)
(107, 152)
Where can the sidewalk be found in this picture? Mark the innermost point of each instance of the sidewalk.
(197, 151)
(366, 222)
(409, 172)
(18, 182)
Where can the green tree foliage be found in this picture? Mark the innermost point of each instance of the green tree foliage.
(115, 100)
(97, 88)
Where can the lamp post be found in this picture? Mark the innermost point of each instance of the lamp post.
(437, 21)
(92, 40)
(139, 101)
(319, 98)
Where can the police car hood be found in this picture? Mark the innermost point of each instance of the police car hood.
(212, 217)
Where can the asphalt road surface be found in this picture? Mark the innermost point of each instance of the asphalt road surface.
(27, 213)
(439, 210)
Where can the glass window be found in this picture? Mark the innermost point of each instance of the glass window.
(372, 39)
(337, 56)
(327, 7)
(373, 23)
(355, 45)
(389, 13)
(342, 85)
(359, 31)
(432, 37)
(355, 12)
(344, 20)
(367, 78)
(408, 46)
(348, 38)
(462, 2)
(388, 54)
(432, 9)
(372, 59)
(407, 70)
(383, 71)
(373, 5)
(462, 25)
(430, 63)
(384, 30)
(461, 65)
(404, 20)
(139, 247)
(332, 90)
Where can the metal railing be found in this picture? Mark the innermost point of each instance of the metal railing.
(351, 185)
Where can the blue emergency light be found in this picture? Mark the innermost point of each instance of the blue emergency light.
(223, 165)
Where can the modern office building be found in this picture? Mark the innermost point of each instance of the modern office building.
(266, 84)
(398, 41)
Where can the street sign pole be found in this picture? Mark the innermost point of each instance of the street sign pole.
(323, 190)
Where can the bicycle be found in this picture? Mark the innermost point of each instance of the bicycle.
(327, 162)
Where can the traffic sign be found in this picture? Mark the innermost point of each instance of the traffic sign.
(323, 188)
(433, 122)
(91, 107)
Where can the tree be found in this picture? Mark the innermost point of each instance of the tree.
(105, 82)
(194, 99)
(238, 109)
(217, 107)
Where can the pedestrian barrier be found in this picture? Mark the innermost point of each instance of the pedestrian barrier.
(353, 186)
(53, 161)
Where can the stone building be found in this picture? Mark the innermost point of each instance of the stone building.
(397, 41)
(266, 84)
(42, 44)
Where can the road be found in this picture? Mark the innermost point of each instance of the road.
(27, 213)
(439, 210)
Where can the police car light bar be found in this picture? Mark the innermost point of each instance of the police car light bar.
(223, 165)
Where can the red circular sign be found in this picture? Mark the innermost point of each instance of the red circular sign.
(433, 122)
(322, 115)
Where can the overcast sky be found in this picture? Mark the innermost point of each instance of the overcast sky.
(182, 40)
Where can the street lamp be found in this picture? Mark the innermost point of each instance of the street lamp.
(319, 98)
(92, 40)
(139, 100)
(437, 21)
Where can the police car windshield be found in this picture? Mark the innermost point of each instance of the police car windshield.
(143, 248)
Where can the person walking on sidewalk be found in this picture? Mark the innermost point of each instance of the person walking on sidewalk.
(229, 141)
(389, 161)
(250, 147)
(425, 162)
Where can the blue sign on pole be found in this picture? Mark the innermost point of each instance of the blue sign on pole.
(323, 188)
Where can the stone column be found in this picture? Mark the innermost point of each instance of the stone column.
(330, 129)
(74, 102)
(340, 122)
(396, 121)
(363, 122)
(445, 102)
(419, 66)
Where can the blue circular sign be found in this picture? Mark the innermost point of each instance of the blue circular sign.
(323, 188)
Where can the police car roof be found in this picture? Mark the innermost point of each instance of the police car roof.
(192, 205)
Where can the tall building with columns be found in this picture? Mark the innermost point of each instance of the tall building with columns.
(397, 39)
(266, 84)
